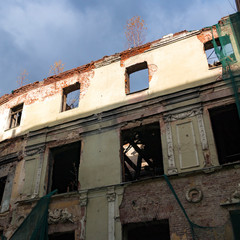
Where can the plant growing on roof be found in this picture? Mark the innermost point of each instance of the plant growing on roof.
(57, 68)
(22, 78)
(135, 31)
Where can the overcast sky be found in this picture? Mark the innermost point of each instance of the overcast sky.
(36, 33)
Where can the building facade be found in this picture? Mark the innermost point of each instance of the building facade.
(140, 144)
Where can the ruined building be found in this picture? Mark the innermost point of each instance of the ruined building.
(140, 144)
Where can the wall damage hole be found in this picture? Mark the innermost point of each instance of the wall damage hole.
(2, 187)
(137, 78)
(16, 116)
(62, 236)
(142, 152)
(71, 96)
(64, 166)
(153, 230)
(226, 130)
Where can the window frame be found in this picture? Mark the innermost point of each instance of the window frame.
(132, 69)
(155, 168)
(65, 92)
(15, 112)
(53, 150)
(222, 147)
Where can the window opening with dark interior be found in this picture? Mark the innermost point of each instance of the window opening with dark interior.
(71, 96)
(142, 152)
(15, 116)
(64, 164)
(62, 236)
(226, 130)
(137, 78)
(226, 49)
(153, 230)
(2, 187)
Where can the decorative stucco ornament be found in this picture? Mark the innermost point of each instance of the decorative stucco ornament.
(194, 195)
(59, 216)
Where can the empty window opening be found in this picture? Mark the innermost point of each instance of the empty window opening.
(226, 130)
(154, 230)
(64, 165)
(15, 116)
(137, 78)
(2, 187)
(212, 58)
(142, 152)
(226, 50)
(71, 96)
(62, 236)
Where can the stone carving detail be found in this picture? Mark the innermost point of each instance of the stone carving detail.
(180, 116)
(194, 195)
(60, 216)
(171, 163)
(202, 131)
(111, 195)
(234, 198)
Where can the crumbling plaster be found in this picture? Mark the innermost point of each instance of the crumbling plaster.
(43, 100)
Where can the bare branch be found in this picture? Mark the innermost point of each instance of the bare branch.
(22, 78)
(135, 31)
(57, 68)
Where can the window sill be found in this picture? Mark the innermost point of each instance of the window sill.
(142, 90)
(11, 128)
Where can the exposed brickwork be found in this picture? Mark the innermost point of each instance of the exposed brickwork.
(152, 68)
(153, 200)
(206, 34)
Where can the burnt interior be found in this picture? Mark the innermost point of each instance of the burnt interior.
(226, 130)
(65, 164)
(62, 236)
(154, 230)
(142, 152)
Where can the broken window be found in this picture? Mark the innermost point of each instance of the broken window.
(2, 187)
(154, 230)
(142, 152)
(64, 164)
(226, 130)
(62, 236)
(136, 78)
(71, 97)
(226, 50)
(15, 116)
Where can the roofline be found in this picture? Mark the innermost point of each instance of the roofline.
(106, 60)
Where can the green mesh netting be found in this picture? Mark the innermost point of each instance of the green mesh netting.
(198, 232)
(35, 226)
(225, 52)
